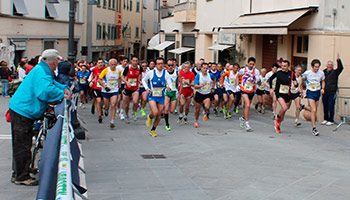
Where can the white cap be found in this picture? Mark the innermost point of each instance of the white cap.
(50, 54)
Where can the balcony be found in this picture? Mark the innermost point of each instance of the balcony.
(185, 12)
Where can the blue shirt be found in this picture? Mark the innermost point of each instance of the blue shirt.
(81, 76)
(36, 91)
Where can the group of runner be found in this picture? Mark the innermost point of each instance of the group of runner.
(164, 85)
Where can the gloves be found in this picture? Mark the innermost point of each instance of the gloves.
(107, 89)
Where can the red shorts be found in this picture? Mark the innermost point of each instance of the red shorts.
(187, 92)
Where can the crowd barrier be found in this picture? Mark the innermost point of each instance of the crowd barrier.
(343, 105)
(59, 162)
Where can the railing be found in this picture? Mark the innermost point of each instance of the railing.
(343, 105)
(190, 5)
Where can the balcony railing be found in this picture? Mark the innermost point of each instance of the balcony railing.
(189, 5)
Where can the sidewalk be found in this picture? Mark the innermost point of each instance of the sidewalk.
(216, 161)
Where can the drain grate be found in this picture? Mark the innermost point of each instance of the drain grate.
(153, 156)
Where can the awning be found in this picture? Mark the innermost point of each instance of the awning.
(181, 50)
(20, 7)
(154, 41)
(267, 22)
(163, 45)
(219, 47)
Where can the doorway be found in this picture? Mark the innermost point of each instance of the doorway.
(269, 51)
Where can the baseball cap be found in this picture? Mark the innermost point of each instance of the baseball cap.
(50, 54)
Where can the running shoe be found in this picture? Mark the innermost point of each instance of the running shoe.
(196, 124)
(106, 112)
(143, 113)
(262, 109)
(315, 132)
(185, 120)
(134, 116)
(149, 121)
(83, 106)
(248, 128)
(229, 115)
(175, 111)
(224, 109)
(179, 121)
(225, 115)
(112, 125)
(92, 109)
(153, 133)
(168, 128)
(215, 113)
(324, 122)
(205, 118)
(80, 105)
(329, 123)
(237, 110)
(277, 125)
(100, 119)
(122, 117)
(301, 107)
(242, 122)
(297, 123)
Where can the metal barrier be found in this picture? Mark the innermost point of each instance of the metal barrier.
(343, 105)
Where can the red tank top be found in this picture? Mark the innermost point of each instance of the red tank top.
(133, 78)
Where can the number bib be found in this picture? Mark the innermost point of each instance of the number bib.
(112, 83)
(132, 82)
(98, 84)
(157, 92)
(262, 87)
(314, 86)
(186, 82)
(173, 84)
(274, 83)
(284, 89)
(232, 81)
(248, 86)
(206, 87)
(82, 81)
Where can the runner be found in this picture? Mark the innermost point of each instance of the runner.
(260, 91)
(296, 95)
(121, 67)
(228, 81)
(216, 95)
(82, 78)
(274, 69)
(171, 96)
(284, 79)
(155, 83)
(315, 85)
(142, 90)
(110, 81)
(204, 84)
(187, 78)
(131, 77)
(96, 86)
(151, 65)
(250, 78)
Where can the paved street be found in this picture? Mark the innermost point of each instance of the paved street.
(216, 161)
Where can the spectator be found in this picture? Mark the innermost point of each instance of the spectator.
(330, 90)
(29, 104)
(4, 77)
(22, 70)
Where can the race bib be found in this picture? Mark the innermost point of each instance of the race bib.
(173, 84)
(157, 92)
(248, 86)
(112, 83)
(284, 89)
(314, 86)
(98, 84)
(82, 81)
(217, 84)
(232, 81)
(186, 82)
(205, 87)
(262, 87)
(274, 83)
(132, 82)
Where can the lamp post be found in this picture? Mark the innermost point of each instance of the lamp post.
(71, 53)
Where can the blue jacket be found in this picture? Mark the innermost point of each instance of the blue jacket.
(36, 91)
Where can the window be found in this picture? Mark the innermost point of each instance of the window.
(144, 26)
(124, 4)
(98, 3)
(170, 37)
(109, 35)
(188, 40)
(155, 27)
(113, 4)
(109, 3)
(104, 35)
(130, 5)
(155, 6)
(104, 3)
(302, 44)
(49, 44)
(50, 11)
(144, 4)
(19, 8)
(120, 5)
(98, 31)
(138, 6)
(136, 32)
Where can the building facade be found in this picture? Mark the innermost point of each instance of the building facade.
(35, 25)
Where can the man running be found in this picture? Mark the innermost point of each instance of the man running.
(284, 79)
(96, 86)
(228, 81)
(187, 78)
(274, 69)
(82, 78)
(315, 84)
(171, 96)
(216, 95)
(155, 83)
(295, 94)
(131, 77)
(250, 78)
(121, 67)
(110, 81)
(204, 84)
(142, 90)
(260, 91)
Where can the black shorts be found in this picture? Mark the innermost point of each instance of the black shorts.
(286, 97)
(122, 87)
(250, 95)
(97, 93)
(267, 92)
(127, 92)
(199, 98)
(259, 92)
(294, 96)
(84, 88)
